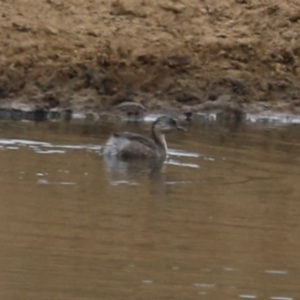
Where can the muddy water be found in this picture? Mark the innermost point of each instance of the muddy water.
(219, 220)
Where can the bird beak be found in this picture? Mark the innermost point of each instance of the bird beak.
(181, 128)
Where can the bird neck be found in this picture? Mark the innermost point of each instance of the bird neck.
(159, 139)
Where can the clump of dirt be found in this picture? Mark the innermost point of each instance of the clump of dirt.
(185, 54)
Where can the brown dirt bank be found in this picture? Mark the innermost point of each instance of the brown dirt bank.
(186, 54)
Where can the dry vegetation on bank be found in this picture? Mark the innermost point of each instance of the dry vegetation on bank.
(186, 54)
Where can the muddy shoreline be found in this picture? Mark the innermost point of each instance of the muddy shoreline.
(183, 56)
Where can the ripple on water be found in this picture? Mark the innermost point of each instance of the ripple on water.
(125, 182)
(47, 182)
(205, 285)
(43, 147)
(181, 153)
(276, 272)
(49, 148)
(147, 281)
(248, 296)
(41, 174)
(50, 151)
(181, 164)
(281, 298)
(177, 182)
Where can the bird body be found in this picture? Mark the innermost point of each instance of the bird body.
(132, 145)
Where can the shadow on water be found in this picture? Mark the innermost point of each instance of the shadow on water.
(219, 219)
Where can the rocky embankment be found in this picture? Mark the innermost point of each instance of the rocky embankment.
(188, 55)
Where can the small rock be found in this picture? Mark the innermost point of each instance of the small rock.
(178, 60)
(20, 27)
(187, 97)
(92, 33)
(130, 108)
(51, 30)
(207, 105)
(295, 17)
(264, 85)
(174, 8)
(224, 98)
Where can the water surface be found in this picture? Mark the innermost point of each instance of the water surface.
(220, 219)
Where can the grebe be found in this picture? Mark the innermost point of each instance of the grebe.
(132, 145)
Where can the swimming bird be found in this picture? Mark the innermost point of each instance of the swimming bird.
(132, 145)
